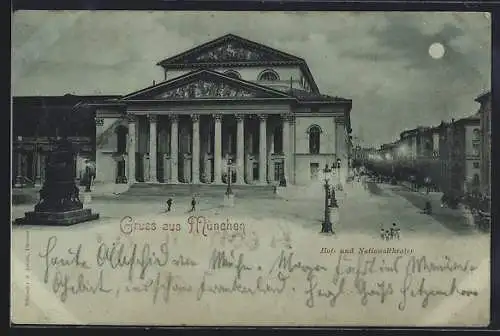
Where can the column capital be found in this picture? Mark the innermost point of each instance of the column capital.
(239, 117)
(131, 118)
(217, 116)
(339, 120)
(152, 118)
(286, 117)
(173, 117)
(99, 121)
(195, 117)
(262, 117)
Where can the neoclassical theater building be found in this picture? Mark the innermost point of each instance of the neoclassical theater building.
(231, 102)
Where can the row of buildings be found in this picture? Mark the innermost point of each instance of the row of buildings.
(454, 154)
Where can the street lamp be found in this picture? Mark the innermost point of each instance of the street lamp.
(326, 225)
(229, 191)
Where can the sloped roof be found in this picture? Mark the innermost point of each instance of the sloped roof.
(217, 51)
(472, 118)
(311, 96)
(483, 97)
(170, 88)
(67, 99)
(231, 50)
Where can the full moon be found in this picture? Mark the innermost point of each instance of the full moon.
(436, 50)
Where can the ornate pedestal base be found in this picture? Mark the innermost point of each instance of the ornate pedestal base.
(334, 216)
(87, 198)
(57, 218)
(59, 202)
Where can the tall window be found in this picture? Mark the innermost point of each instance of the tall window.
(268, 75)
(475, 180)
(428, 148)
(476, 134)
(475, 149)
(121, 139)
(233, 74)
(314, 139)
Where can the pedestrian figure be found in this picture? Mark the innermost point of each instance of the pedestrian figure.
(394, 231)
(382, 233)
(333, 199)
(428, 207)
(412, 181)
(427, 182)
(88, 175)
(169, 204)
(193, 204)
(444, 201)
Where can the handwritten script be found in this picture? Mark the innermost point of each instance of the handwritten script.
(119, 268)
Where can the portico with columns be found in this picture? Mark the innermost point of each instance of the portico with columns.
(186, 129)
(194, 148)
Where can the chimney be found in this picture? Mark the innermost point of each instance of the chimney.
(154, 82)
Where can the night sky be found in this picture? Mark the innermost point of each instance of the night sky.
(379, 60)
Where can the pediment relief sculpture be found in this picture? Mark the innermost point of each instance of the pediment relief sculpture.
(206, 89)
(233, 51)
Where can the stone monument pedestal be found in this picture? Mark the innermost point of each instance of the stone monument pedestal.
(59, 202)
(64, 218)
(229, 200)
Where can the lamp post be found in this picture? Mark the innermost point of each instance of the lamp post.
(229, 191)
(228, 195)
(326, 225)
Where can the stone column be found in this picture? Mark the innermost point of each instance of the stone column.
(270, 160)
(291, 152)
(19, 165)
(43, 158)
(240, 149)
(174, 149)
(131, 148)
(75, 165)
(262, 150)
(153, 121)
(195, 168)
(286, 144)
(218, 149)
(33, 164)
(38, 177)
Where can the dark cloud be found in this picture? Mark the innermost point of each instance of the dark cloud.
(379, 60)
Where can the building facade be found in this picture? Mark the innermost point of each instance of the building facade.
(228, 102)
(459, 155)
(38, 121)
(485, 129)
(362, 155)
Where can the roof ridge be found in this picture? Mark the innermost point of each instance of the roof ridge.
(213, 73)
(222, 39)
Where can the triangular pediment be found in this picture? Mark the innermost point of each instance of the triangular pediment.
(230, 49)
(204, 84)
